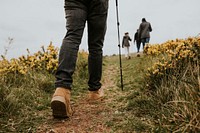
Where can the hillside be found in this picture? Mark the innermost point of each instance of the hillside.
(161, 92)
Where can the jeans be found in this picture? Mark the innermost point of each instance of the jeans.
(144, 41)
(78, 12)
(138, 45)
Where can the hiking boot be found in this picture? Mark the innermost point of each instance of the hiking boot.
(95, 95)
(60, 103)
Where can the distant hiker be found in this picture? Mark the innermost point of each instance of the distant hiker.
(137, 40)
(78, 12)
(126, 44)
(144, 32)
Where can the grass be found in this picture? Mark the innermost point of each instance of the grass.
(22, 99)
(25, 99)
(179, 100)
(172, 106)
(133, 99)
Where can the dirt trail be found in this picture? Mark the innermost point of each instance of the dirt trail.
(89, 117)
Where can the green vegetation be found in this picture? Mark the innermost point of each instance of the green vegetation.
(161, 91)
(25, 97)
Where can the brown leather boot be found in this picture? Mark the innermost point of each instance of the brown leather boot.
(95, 95)
(60, 103)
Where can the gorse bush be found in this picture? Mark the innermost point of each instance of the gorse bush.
(46, 59)
(26, 86)
(43, 60)
(172, 56)
(174, 83)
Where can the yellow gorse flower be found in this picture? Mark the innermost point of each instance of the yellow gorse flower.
(45, 59)
(173, 51)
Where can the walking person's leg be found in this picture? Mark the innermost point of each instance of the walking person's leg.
(97, 19)
(76, 18)
(147, 40)
(128, 52)
(138, 46)
(143, 40)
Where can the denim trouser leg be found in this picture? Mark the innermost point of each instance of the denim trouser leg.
(97, 18)
(144, 41)
(77, 13)
(76, 19)
(138, 45)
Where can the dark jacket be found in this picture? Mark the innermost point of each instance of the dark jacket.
(144, 30)
(125, 42)
(136, 37)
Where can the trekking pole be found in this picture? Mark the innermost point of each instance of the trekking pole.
(120, 60)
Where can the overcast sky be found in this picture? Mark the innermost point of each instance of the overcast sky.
(33, 23)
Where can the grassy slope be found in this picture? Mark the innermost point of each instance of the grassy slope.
(133, 100)
(26, 99)
(132, 109)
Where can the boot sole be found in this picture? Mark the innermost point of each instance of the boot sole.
(58, 105)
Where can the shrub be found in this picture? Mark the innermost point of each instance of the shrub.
(174, 84)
